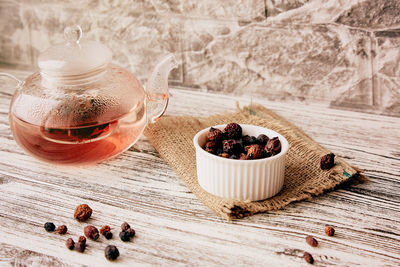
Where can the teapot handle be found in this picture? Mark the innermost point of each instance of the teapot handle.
(19, 82)
(157, 88)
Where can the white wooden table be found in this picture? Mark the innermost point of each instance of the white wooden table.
(174, 228)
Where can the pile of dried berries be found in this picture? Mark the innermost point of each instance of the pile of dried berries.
(230, 143)
(82, 213)
(329, 230)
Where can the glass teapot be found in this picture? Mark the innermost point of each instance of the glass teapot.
(80, 109)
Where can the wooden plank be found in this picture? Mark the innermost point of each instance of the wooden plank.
(174, 228)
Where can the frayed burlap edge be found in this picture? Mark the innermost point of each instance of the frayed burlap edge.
(172, 138)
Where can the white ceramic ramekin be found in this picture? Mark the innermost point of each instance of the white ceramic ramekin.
(240, 179)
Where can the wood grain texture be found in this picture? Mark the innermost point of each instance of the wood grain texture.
(174, 229)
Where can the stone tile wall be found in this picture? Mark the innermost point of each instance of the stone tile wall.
(345, 53)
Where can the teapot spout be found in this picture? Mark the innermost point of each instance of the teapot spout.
(157, 88)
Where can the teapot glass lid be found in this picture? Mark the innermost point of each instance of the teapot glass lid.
(74, 56)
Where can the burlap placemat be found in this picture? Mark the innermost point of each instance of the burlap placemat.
(172, 137)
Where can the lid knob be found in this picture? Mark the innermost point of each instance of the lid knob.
(73, 34)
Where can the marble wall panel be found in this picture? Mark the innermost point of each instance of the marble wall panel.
(275, 7)
(120, 7)
(306, 11)
(372, 14)
(241, 10)
(387, 72)
(342, 52)
(320, 62)
(138, 41)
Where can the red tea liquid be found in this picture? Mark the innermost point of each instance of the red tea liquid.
(84, 145)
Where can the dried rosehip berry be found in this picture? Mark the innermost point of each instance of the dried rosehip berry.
(70, 244)
(329, 230)
(131, 232)
(308, 257)
(82, 212)
(125, 226)
(82, 239)
(111, 252)
(224, 155)
(262, 139)
(212, 146)
(232, 146)
(273, 146)
(49, 226)
(105, 229)
(62, 229)
(239, 146)
(108, 235)
(311, 241)
(80, 246)
(233, 131)
(234, 157)
(209, 150)
(327, 161)
(91, 232)
(245, 139)
(255, 152)
(249, 140)
(214, 135)
(243, 156)
(124, 235)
